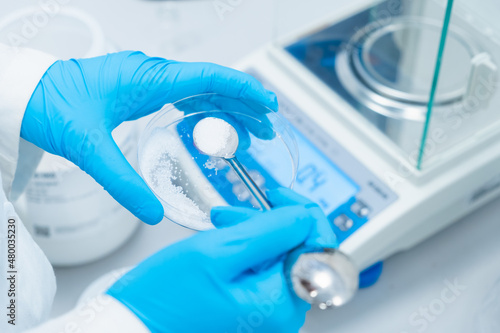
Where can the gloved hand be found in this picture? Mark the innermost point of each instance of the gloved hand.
(321, 235)
(207, 283)
(78, 103)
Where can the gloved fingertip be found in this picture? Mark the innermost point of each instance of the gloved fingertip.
(152, 213)
(273, 101)
(225, 216)
(244, 138)
(275, 195)
(244, 143)
(311, 205)
(217, 212)
(271, 192)
(265, 133)
(287, 197)
(306, 217)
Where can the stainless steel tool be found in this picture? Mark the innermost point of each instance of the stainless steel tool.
(326, 277)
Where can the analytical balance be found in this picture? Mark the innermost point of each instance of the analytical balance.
(395, 109)
(392, 105)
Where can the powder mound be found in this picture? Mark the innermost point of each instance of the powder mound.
(165, 175)
(215, 137)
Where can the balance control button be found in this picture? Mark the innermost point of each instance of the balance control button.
(343, 222)
(360, 209)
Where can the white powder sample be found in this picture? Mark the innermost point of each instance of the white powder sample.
(162, 172)
(215, 137)
(211, 165)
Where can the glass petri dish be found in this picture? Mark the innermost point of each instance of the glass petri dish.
(188, 183)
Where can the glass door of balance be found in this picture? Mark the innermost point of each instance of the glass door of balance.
(423, 73)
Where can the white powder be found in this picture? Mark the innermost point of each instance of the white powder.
(161, 171)
(215, 137)
(211, 165)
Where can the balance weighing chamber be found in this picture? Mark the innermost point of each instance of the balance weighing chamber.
(395, 108)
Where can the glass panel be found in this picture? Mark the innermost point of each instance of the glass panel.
(470, 57)
(381, 57)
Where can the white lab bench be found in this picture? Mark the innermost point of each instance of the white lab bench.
(413, 294)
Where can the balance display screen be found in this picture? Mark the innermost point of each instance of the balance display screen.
(317, 177)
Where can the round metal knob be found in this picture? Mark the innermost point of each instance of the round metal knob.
(326, 278)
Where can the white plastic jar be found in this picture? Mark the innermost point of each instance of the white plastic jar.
(71, 217)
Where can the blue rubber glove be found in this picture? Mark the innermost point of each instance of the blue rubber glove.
(322, 234)
(207, 283)
(78, 103)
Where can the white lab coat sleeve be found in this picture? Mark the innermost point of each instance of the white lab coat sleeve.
(27, 281)
(29, 284)
(102, 314)
(20, 71)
